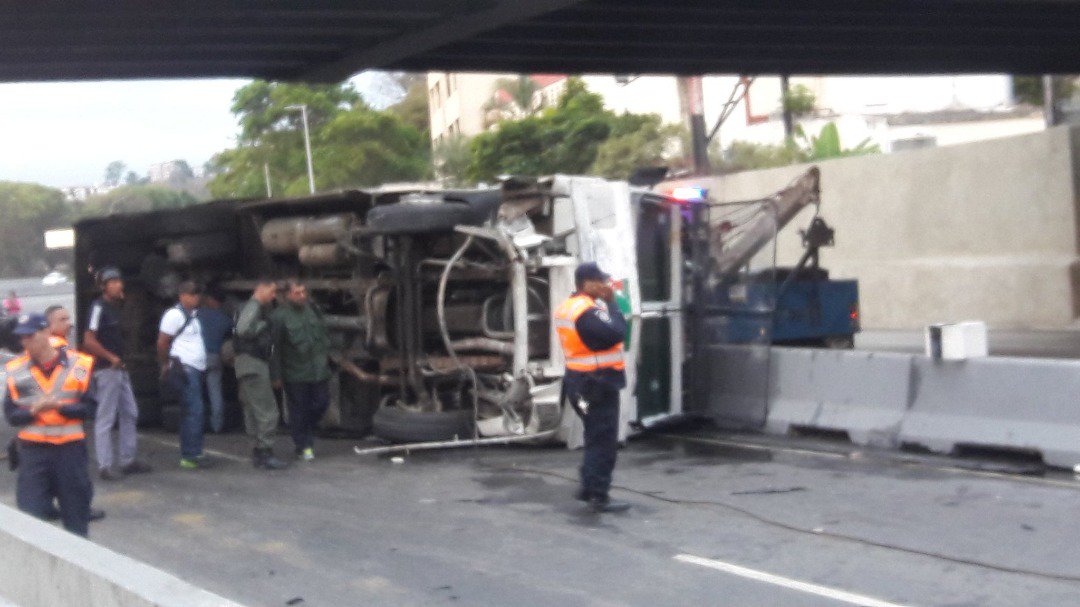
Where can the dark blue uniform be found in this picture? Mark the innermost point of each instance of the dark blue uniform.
(599, 330)
(48, 471)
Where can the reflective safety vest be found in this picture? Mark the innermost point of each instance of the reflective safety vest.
(57, 341)
(27, 384)
(578, 356)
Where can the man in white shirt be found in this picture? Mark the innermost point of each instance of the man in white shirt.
(180, 347)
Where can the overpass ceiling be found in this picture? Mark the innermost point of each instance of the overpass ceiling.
(333, 39)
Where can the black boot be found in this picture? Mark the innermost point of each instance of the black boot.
(264, 458)
(602, 503)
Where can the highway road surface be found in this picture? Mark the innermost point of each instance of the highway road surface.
(717, 520)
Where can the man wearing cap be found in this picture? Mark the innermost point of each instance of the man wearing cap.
(591, 329)
(60, 324)
(254, 344)
(48, 396)
(180, 342)
(116, 404)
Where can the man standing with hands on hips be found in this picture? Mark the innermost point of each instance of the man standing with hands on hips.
(591, 329)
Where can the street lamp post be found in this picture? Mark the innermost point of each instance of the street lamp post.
(307, 143)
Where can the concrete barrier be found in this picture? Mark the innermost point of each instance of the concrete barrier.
(1014, 403)
(888, 400)
(862, 393)
(46, 566)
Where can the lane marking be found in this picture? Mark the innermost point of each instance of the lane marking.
(776, 580)
(1050, 482)
(214, 452)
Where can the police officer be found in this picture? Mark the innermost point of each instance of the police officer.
(253, 345)
(60, 324)
(591, 329)
(48, 397)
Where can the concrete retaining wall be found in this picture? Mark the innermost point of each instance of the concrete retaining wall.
(889, 400)
(43, 566)
(983, 231)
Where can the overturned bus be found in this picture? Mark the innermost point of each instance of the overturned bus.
(438, 302)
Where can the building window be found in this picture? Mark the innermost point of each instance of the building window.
(436, 94)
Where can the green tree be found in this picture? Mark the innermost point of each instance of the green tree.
(647, 143)
(113, 172)
(513, 98)
(413, 106)
(364, 147)
(1029, 89)
(826, 145)
(352, 144)
(560, 139)
(451, 159)
(29, 210)
(136, 198)
(747, 156)
(799, 100)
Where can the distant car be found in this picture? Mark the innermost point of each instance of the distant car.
(54, 278)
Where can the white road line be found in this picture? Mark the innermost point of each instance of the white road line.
(213, 452)
(1029, 480)
(761, 576)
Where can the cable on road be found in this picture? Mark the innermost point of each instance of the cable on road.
(1060, 577)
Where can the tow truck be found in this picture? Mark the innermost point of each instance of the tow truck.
(439, 301)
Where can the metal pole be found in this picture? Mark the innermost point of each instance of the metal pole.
(307, 143)
(1049, 101)
(266, 175)
(307, 147)
(789, 117)
(698, 136)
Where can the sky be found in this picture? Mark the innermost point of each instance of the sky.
(65, 133)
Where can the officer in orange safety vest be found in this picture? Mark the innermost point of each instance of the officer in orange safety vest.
(60, 325)
(591, 329)
(48, 396)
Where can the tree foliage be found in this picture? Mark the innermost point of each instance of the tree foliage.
(352, 144)
(1029, 89)
(799, 100)
(113, 172)
(512, 98)
(565, 138)
(747, 156)
(135, 199)
(413, 106)
(451, 158)
(826, 145)
(647, 143)
(28, 210)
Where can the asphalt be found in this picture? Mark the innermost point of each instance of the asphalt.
(717, 519)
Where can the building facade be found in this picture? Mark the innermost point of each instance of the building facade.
(895, 113)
